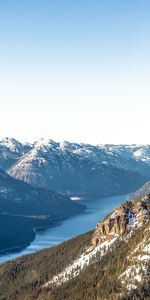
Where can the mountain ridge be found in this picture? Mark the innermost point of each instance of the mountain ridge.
(69, 167)
(81, 269)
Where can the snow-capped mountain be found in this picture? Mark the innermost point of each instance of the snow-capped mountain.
(74, 169)
(143, 154)
(135, 157)
(10, 151)
(77, 167)
(121, 156)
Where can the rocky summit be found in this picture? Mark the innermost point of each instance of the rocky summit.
(123, 220)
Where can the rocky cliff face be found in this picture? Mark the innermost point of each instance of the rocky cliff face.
(124, 219)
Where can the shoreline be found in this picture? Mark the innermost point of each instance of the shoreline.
(19, 248)
(56, 223)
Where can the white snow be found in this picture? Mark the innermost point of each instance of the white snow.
(147, 248)
(75, 268)
(138, 265)
(143, 257)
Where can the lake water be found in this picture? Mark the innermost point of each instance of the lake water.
(96, 210)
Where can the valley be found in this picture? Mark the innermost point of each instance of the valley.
(37, 181)
(96, 209)
(74, 150)
(110, 263)
(52, 194)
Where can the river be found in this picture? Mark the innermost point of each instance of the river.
(97, 209)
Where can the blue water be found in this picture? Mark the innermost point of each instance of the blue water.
(96, 210)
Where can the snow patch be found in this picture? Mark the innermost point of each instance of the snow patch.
(84, 260)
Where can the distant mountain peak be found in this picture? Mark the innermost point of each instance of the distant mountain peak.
(43, 142)
(11, 143)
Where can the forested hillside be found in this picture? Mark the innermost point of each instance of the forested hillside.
(101, 264)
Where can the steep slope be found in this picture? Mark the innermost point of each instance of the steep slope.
(113, 262)
(10, 151)
(18, 197)
(51, 165)
(22, 203)
(145, 189)
(121, 224)
(135, 157)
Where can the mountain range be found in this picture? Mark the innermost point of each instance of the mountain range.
(72, 168)
(37, 181)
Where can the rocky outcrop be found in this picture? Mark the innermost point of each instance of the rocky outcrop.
(122, 220)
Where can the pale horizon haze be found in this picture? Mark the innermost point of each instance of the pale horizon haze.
(75, 70)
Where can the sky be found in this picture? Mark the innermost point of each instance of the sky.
(75, 70)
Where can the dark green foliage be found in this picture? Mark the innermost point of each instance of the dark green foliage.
(22, 278)
(100, 280)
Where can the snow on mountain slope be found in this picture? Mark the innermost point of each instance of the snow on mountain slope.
(109, 152)
(138, 261)
(120, 225)
(76, 167)
(58, 166)
(45, 161)
(128, 157)
(81, 262)
(10, 151)
(135, 157)
(14, 147)
(143, 154)
(116, 267)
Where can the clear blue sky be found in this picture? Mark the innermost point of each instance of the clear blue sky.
(75, 70)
